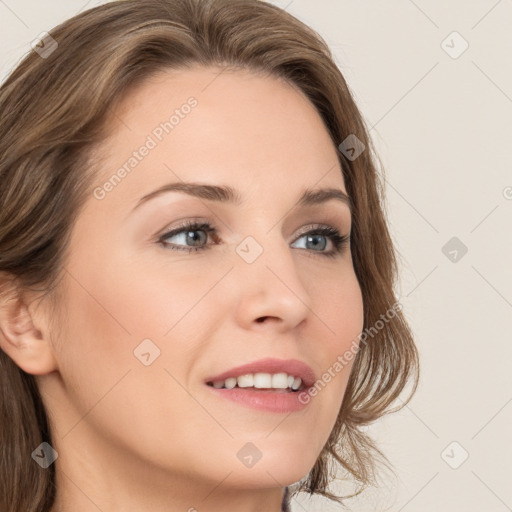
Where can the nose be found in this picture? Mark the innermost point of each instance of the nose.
(270, 290)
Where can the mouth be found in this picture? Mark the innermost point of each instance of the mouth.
(272, 385)
(270, 374)
(272, 382)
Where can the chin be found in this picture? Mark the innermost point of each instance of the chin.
(267, 478)
(282, 468)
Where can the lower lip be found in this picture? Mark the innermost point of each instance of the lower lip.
(265, 400)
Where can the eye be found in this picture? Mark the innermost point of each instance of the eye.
(188, 233)
(315, 239)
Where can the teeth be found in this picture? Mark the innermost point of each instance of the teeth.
(246, 381)
(280, 380)
(230, 383)
(261, 381)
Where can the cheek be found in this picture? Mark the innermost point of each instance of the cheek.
(123, 298)
(111, 389)
(113, 307)
(338, 305)
(160, 293)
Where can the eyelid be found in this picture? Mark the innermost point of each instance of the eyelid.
(312, 227)
(184, 223)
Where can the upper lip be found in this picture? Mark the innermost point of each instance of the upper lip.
(270, 365)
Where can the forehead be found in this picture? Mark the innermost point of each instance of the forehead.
(253, 131)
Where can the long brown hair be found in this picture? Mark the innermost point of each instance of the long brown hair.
(54, 111)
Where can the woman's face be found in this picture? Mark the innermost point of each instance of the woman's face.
(147, 323)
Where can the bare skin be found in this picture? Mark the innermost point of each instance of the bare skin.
(132, 437)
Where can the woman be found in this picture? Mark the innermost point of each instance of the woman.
(197, 308)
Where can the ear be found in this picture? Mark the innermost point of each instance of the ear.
(24, 332)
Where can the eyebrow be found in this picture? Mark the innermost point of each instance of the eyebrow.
(226, 194)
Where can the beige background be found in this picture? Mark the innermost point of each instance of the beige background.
(442, 123)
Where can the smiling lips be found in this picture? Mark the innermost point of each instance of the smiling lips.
(266, 373)
(260, 381)
(268, 384)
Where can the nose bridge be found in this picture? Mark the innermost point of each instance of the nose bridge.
(268, 279)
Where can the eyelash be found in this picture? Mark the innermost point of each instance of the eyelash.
(339, 241)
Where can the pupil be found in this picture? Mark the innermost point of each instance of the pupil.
(191, 236)
(315, 244)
